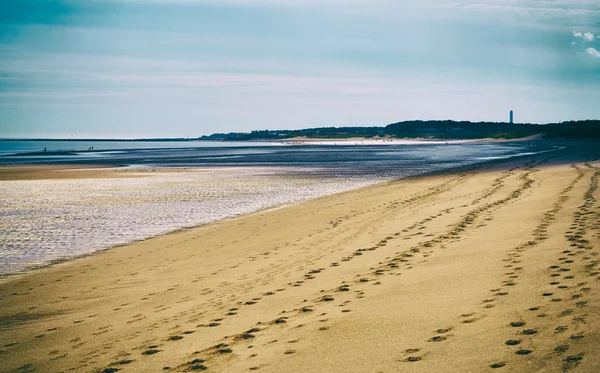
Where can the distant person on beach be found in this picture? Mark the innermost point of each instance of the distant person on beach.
(44, 149)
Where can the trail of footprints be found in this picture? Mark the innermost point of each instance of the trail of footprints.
(512, 261)
(389, 267)
(568, 291)
(224, 348)
(524, 334)
(152, 348)
(441, 334)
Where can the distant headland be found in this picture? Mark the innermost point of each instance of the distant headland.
(417, 129)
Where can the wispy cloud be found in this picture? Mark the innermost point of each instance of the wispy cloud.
(593, 52)
(586, 37)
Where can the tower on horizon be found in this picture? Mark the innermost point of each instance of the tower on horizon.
(511, 117)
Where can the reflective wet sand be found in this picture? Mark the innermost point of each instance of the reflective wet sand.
(45, 220)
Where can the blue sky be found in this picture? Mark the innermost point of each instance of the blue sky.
(170, 68)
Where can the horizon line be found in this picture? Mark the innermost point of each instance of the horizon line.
(199, 138)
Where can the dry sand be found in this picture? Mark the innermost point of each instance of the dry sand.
(488, 270)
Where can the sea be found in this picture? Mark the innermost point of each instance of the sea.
(44, 221)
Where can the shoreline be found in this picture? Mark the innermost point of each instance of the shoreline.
(294, 141)
(111, 170)
(85, 171)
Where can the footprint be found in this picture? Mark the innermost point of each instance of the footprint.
(437, 338)
(529, 331)
(573, 360)
(561, 348)
(523, 352)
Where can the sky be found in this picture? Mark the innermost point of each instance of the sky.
(186, 68)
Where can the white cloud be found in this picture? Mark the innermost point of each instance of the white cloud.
(588, 36)
(585, 37)
(593, 52)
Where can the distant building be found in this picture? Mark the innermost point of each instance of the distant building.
(511, 117)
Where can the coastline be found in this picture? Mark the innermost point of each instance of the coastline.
(395, 276)
(87, 171)
(294, 141)
(91, 171)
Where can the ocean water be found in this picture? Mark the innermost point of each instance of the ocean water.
(24, 146)
(46, 220)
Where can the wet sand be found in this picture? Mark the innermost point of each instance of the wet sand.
(68, 172)
(51, 219)
(493, 269)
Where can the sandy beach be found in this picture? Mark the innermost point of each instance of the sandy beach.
(493, 268)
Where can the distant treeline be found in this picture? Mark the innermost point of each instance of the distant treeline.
(440, 129)
(584, 129)
(321, 133)
(449, 129)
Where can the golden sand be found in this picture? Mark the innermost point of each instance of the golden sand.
(488, 270)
